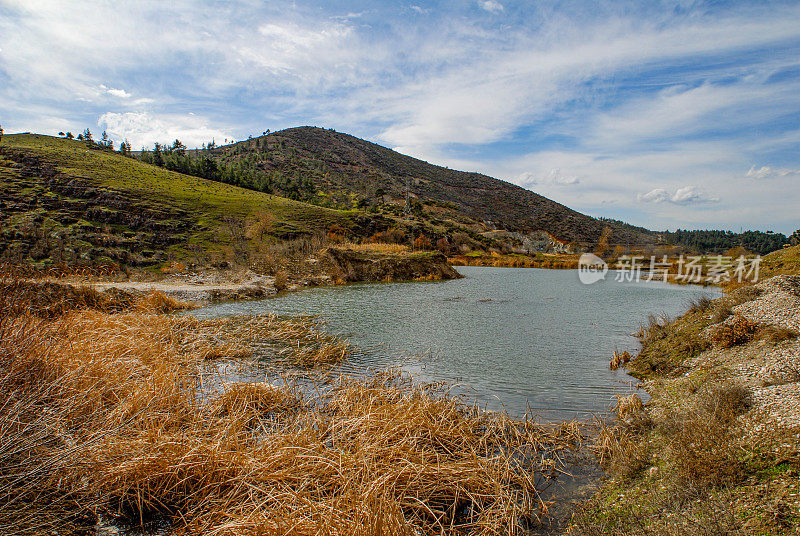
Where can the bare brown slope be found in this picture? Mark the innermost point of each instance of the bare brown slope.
(338, 162)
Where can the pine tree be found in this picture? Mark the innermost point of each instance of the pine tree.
(158, 159)
(178, 147)
(105, 141)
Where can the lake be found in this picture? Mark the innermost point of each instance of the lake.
(508, 338)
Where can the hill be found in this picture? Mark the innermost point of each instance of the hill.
(785, 261)
(69, 202)
(65, 201)
(328, 167)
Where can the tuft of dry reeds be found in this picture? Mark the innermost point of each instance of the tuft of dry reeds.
(156, 301)
(102, 417)
(776, 334)
(619, 359)
(299, 341)
(628, 408)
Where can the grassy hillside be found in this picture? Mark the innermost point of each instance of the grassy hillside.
(75, 203)
(329, 167)
(67, 201)
(784, 261)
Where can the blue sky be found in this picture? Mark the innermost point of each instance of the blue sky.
(664, 114)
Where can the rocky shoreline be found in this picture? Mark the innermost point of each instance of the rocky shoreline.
(716, 449)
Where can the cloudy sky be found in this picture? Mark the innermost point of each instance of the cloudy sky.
(664, 114)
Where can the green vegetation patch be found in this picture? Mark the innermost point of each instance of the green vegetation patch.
(133, 213)
(667, 344)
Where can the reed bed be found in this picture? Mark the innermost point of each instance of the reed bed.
(101, 418)
(299, 341)
(619, 359)
(377, 247)
(53, 298)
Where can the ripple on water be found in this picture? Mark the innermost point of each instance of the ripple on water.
(513, 338)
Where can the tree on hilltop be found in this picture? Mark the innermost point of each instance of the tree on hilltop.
(178, 147)
(105, 141)
(158, 159)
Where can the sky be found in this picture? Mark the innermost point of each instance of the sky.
(664, 114)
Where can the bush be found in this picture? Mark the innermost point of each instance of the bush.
(704, 445)
(281, 280)
(422, 242)
(739, 331)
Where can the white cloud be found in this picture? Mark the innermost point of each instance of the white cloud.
(420, 10)
(553, 177)
(692, 194)
(515, 78)
(767, 172)
(142, 129)
(121, 93)
(657, 195)
(683, 196)
(492, 6)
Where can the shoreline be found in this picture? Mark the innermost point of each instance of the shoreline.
(132, 437)
(637, 422)
(716, 448)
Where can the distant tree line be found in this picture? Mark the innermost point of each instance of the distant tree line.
(104, 142)
(720, 241)
(243, 173)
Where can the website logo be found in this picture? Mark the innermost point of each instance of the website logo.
(591, 268)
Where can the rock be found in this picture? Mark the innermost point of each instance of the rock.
(352, 266)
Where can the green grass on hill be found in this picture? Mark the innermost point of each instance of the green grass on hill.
(784, 261)
(69, 191)
(208, 199)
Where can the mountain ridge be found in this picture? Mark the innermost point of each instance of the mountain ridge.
(339, 163)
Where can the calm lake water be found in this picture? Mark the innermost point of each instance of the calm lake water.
(512, 338)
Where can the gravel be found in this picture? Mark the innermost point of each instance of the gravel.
(770, 370)
(779, 305)
(773, 370)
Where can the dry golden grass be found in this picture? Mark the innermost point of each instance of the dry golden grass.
(101, 416)
(377, 247)
(49, 299)
(619, 359)
(550, 261)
